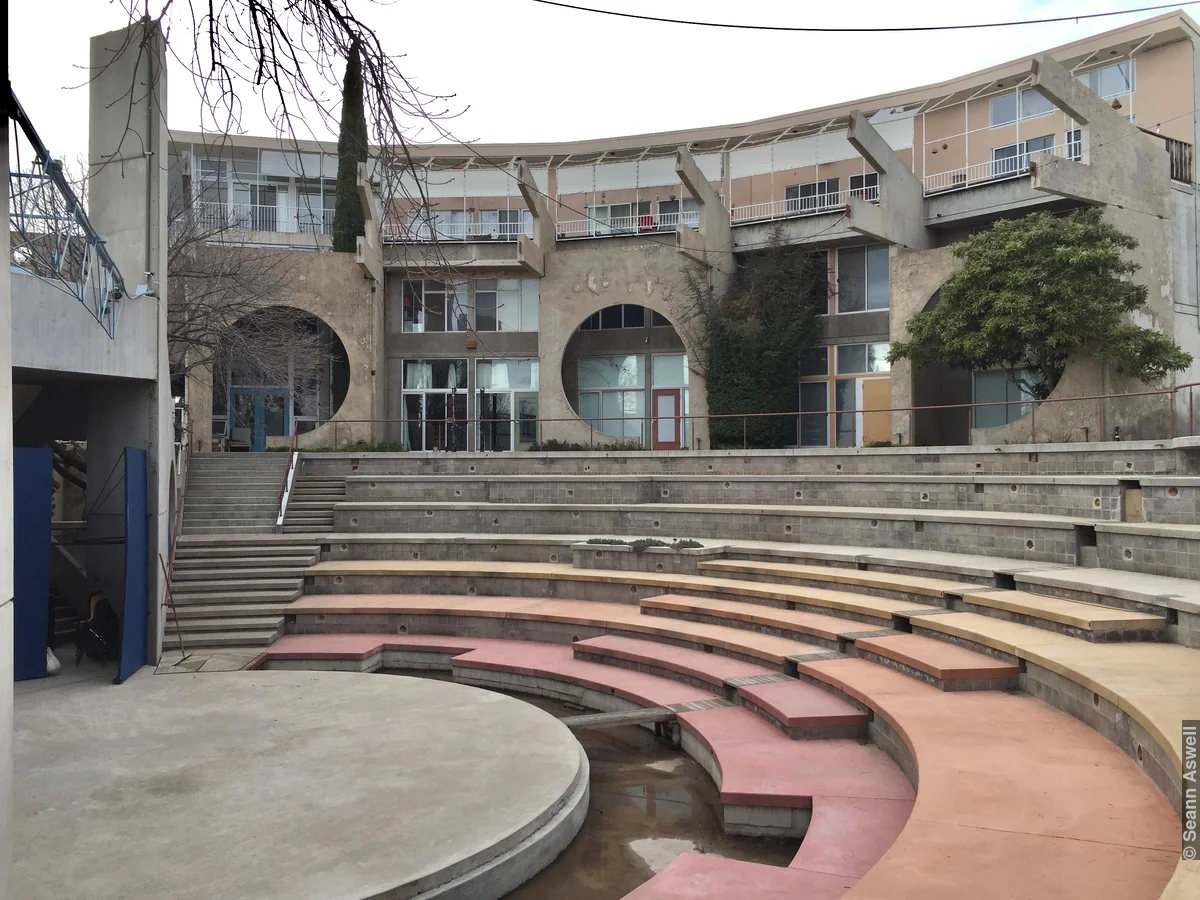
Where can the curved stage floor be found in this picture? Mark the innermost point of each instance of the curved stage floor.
(306, 785)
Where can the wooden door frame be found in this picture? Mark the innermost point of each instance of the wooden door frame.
(677, 393)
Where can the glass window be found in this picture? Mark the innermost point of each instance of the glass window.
(669, 370)
(1074, 144)
(998, 387)
(530, 297)
(610, 317)
(845, 401)
(612, 372)
(433, 306)
(658, 320)
(863, 281)
(435, 374)
(1111, 80)
(1004, 109)
(1034, 103)
(877, 360)
(506, 304)
(814, 429)
(865, 186)
(506, 374)
(815, 362)
(878, 290)
(851, 359)
(634, 315)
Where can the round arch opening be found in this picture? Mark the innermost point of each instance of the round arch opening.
(625, 374)
(280, 372)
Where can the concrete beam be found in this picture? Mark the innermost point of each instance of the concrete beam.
(715, 248)
(899, 216)
(368, 251)
(1121, 167)
(543, 223)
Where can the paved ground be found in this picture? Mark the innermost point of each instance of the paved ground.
(305, 785)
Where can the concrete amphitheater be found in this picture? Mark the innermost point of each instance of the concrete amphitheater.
(952, 672)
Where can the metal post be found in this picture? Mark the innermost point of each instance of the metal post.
(1191, 411)
(1033, 420)
(1172, 415)
(744, 444)
(335, 430)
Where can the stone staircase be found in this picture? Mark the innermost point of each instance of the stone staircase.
(233, 574)
(233, 493)
(232, 591)
(310, 509)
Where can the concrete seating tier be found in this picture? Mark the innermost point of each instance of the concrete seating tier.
(711, 671)
(801, 710)
(1084, 620)
(1134, 694)
(560, 580)
(1123, 459)
(1007, 803)
(1157, 499)
(1176, 598)
(1042, 538)
(946, 666)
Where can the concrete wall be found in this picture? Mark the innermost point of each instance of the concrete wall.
(6, 556)
(583, 278)
(128, 157)
(54, 332)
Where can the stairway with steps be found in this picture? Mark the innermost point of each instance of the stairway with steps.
(233, 493)
(310, 509)
(233, 591)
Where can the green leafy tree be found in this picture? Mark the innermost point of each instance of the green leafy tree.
(752, 339)
(1034, 291)
(349, 223)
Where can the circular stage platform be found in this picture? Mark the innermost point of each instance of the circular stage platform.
(304, 785)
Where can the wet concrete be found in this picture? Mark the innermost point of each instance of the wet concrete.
(649, 804)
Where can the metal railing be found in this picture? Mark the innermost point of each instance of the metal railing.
(423, 231)
(997, 169)
(1180, 155)
(646, 223)
(214, 215)
(289, 479)
(1182, 403)
(801, 206)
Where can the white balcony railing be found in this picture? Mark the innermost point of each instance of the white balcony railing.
(800, 206)
(618, 225)
(423, 231)
(215, 216)
(998, 169)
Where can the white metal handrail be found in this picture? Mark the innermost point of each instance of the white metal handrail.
(997, 169)
(645, 223)
(801, 206)
(213, 215)
(422, 231)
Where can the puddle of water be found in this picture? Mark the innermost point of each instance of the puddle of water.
(649, 803)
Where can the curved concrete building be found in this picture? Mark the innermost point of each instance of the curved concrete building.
(516, 293)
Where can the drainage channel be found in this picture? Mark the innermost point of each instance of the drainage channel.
(649, 803)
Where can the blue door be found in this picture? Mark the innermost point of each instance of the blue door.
(258, 413)
(33, 491)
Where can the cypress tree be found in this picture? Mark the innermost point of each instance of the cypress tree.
(348, 220)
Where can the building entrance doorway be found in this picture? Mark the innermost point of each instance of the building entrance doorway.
(667, 428)
(258, 413)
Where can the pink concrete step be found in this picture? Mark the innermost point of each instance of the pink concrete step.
(760, 766)
(557, 661)
(695, 667)
(1017, 799)
(848, 835)
(946, 666)
(803, 710)
(359, 646)
(698, 876)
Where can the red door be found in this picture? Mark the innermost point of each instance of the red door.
(666, 418)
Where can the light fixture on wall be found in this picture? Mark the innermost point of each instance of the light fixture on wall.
(1116, 104)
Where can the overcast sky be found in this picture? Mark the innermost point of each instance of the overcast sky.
(523, 71)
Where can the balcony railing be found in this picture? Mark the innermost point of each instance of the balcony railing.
(800, 206)
(420, 232)
(998, 169)
(646, 223)
(1180, 154)
(215, 216)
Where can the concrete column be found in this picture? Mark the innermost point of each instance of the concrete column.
(899, 216)
(199, 392)
(6, 557)
(129, 163)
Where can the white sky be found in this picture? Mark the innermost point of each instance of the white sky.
(523, 71)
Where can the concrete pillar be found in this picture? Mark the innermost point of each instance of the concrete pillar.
(129, 163)
(899, 216)
(199, 393)
(6, 557)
